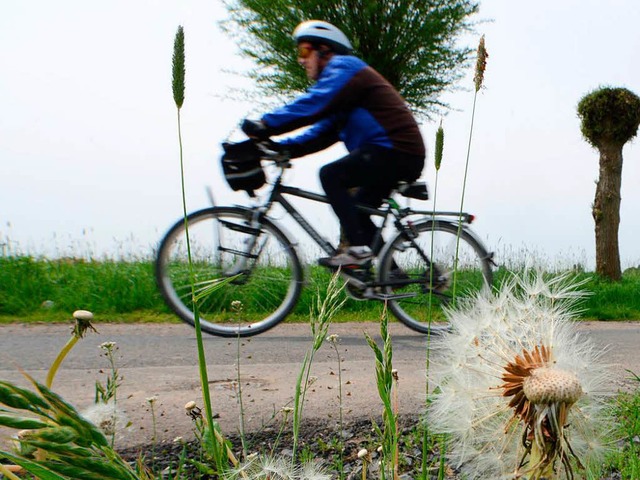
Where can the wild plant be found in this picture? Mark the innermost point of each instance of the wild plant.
(106, 394)
(212, 443)
(385, 383)
(237, 307)
(334, 340)
(439, 150)
(178, 84)
(478, 79)
(56, 442)
(320, 319)
(82, 324)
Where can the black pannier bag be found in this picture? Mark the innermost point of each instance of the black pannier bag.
(241, 166)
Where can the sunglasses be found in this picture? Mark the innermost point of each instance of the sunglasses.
(305, 51)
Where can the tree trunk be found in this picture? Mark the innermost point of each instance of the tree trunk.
(606, 212)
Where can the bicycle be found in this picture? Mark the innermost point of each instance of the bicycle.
(430, 259)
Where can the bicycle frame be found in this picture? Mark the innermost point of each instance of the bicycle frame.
(279, 190)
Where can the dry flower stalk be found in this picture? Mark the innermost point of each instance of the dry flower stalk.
(481, 64)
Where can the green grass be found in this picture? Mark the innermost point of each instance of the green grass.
(625, 457)
(49, 290)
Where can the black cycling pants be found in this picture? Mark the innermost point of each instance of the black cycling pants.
(376, 171)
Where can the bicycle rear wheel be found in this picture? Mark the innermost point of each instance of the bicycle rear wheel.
(428, 267)
(225, 242)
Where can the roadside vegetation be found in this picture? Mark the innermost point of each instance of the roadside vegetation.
(47, 290)
(55, 441)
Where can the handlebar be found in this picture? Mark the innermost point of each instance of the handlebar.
(281, 158)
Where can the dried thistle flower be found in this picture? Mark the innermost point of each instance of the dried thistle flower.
(511, 375)
(178, 68)
(83, 320)
(193, 410)
(481, 64)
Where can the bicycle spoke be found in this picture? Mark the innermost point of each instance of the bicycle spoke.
(439, 268)
(225, 243)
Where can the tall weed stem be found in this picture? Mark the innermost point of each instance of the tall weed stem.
(334, 340)
(320, 320)
(384, 381)
(178, 85)
(83, 323)
(478, 79)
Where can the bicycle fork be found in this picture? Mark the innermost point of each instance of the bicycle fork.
(241, 264)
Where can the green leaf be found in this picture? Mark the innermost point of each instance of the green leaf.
(32, 398)
(21, 423)
(56, 434)
(20, 398)
(60, 449)
(32, 467)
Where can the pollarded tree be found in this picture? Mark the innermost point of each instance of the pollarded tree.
(610, 118)
(410, 42)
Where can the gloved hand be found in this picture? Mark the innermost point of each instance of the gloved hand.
(255, 129)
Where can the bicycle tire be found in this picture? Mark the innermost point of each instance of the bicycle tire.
(427, 290)
(268, 283)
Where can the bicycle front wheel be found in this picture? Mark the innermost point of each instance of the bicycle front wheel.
(429, 266)
(227, 243)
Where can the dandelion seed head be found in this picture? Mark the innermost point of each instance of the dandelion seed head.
(277, 468)
(473, 389)
(107, 417)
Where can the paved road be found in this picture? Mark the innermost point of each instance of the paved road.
(161, 360)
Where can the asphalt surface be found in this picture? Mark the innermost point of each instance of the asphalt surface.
(160, 361)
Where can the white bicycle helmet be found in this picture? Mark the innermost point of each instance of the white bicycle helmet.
(317, 31)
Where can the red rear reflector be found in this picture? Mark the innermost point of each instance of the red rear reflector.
(471, 218)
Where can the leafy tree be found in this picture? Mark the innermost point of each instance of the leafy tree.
(610, 118)
(410, 42)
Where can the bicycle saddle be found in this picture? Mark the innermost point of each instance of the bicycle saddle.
(417, 190)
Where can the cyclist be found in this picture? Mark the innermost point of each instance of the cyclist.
(352, 103)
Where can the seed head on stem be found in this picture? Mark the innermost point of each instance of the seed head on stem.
(178, 68)
(481, 64)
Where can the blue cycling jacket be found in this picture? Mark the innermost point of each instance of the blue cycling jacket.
(350, 102)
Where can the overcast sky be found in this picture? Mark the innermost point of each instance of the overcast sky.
(88, 138)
